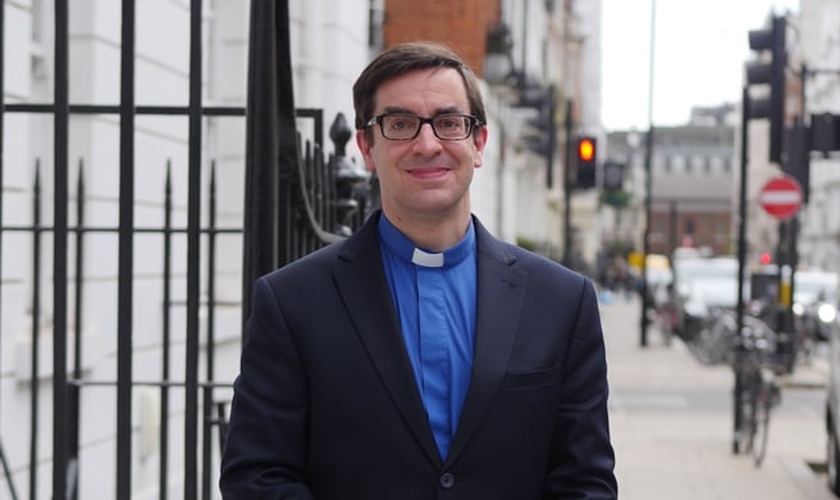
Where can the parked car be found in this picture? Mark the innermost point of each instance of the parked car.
(825, 293)
(708, 299)
(700, 282)
(832, 409)
(815, 302)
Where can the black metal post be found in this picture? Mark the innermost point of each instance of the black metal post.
(74, 394)
(166, 336)
(787, 256)
(61, 121)
(742, 258)
(210, 363)
(643, 322)
(567, 187)
(271, 144)
(193, 256)
(552, 138)
(568, 124)
(643, 338)
(34, 403)
(125, 312)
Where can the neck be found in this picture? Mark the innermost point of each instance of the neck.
(433, 233)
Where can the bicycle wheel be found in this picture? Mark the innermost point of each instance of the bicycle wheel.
(750, 417)
(746, 402)
(764, 403)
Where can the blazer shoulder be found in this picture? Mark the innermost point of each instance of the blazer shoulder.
(540, 263)
(306, 264)
(514, 256)
(361, 246)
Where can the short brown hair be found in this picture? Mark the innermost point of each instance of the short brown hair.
(407, 57)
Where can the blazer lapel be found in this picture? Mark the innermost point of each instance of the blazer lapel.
(360, 278)
(501, 287)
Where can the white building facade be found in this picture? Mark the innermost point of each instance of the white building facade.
(815, 46)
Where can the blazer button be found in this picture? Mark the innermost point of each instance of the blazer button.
(447, 480)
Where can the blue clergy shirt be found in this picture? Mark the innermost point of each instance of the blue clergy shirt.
(435, 296)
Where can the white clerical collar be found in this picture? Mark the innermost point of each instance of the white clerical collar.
(427, 259)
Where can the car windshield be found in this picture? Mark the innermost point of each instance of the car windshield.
(715, 266)
(688, 270)
(811, 286)
(714, 291)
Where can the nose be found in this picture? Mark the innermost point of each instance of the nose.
(426, 139)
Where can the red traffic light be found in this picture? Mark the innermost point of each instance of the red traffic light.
(765, 258)
(586, 149)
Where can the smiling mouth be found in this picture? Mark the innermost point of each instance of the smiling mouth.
(428, 172)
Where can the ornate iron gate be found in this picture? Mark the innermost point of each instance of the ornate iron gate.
(296, 198)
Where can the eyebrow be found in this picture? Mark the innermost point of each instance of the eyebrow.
(406, 111)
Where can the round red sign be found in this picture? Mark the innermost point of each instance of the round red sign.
(781, 197)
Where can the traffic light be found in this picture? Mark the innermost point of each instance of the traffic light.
(612, 183)
(586, 155)
(797, 162)
(769, 72)
(613, 176)
(765, 258)
(541, 133)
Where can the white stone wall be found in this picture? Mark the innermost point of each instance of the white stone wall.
(819, 243)
(162, 78)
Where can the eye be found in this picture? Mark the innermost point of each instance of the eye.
(398, 123)
(449, 122)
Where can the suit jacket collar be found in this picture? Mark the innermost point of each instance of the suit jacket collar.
(361, 280)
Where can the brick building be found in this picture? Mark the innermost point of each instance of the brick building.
(463, 25)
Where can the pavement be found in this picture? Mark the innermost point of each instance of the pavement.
(671, 423)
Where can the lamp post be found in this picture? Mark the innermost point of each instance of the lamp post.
(567, 186)
(643, 338)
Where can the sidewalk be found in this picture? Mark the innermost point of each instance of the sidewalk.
(671, 422)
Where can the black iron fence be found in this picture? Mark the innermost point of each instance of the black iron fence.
(320, 197)
(332, 200)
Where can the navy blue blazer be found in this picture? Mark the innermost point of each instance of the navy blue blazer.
(326, 405)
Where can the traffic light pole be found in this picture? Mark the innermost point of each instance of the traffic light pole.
(742, 258)
(552, 137)
(567, 187)
(758, 72)
(643, 338)
(643, 323)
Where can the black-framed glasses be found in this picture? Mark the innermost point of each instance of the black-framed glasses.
(404, 126)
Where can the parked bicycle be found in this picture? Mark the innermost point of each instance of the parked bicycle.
(757, 389)
(713, 338)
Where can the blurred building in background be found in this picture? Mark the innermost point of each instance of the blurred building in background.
(693, 173)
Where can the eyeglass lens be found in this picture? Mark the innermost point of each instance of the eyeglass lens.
(447, 126)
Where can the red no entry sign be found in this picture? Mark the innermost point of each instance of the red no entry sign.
(781, 197)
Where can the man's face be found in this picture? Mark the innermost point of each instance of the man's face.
(424, 177)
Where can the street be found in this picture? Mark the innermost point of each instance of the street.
(671, 422)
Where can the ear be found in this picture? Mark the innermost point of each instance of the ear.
(364, 148)
(480, 142)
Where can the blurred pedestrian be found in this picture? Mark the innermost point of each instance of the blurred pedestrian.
(422, 354)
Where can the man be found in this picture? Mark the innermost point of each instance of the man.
(421, 358)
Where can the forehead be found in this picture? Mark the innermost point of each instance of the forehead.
(423, 91)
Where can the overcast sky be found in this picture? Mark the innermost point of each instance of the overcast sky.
(700, 50)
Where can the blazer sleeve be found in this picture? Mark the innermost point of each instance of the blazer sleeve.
(265, 448)
(583, 460)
